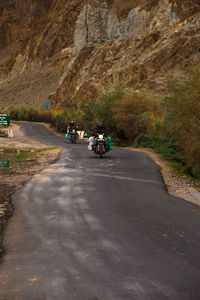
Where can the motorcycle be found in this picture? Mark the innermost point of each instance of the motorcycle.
(101, 145)
(73, 136)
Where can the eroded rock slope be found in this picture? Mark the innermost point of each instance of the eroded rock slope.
(71, 51)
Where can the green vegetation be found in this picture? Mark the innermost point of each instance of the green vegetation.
(178, 138)
(33, 115)
(16, 157)
(62, 119)
(106, 105)
(166, 146)
(21, 157)
(134, 114)
(183, 115)
(125, 112)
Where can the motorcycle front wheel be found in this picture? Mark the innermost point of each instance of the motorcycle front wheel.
(101, 151)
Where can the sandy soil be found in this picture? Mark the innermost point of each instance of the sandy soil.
(15, 176)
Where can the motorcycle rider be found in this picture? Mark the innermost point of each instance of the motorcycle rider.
(101, 129)
(71, 126)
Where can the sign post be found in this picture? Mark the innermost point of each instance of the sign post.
(4, 120)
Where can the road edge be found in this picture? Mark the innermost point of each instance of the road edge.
(177, 185)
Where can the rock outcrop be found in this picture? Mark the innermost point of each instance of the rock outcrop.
(71, 51)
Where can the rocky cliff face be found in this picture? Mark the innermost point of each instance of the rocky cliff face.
(71, 51)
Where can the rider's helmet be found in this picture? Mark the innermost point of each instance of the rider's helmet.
(100, 123)
(71, 123)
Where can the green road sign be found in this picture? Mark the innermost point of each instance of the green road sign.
(85, 135)
(5, 119)
(4, 163)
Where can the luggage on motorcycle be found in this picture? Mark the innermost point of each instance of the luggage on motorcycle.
(90, 147)
(109, 139)
(91, 141)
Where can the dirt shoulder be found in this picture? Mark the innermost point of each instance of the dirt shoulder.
(176, 184)
(39, 157)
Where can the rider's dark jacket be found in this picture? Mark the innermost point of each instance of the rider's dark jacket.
(72, 127)
(100, 130)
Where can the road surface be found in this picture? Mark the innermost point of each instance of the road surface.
(91, 229)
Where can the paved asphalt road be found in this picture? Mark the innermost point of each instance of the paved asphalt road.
(91, 229)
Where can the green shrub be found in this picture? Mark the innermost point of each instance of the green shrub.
(33, 115)
(125, 112)
(183, 114)
(89, 115)
(167, 146)
(135, 113)
(61, 122)
(14, 114)
(106, 104)
(76, 115)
